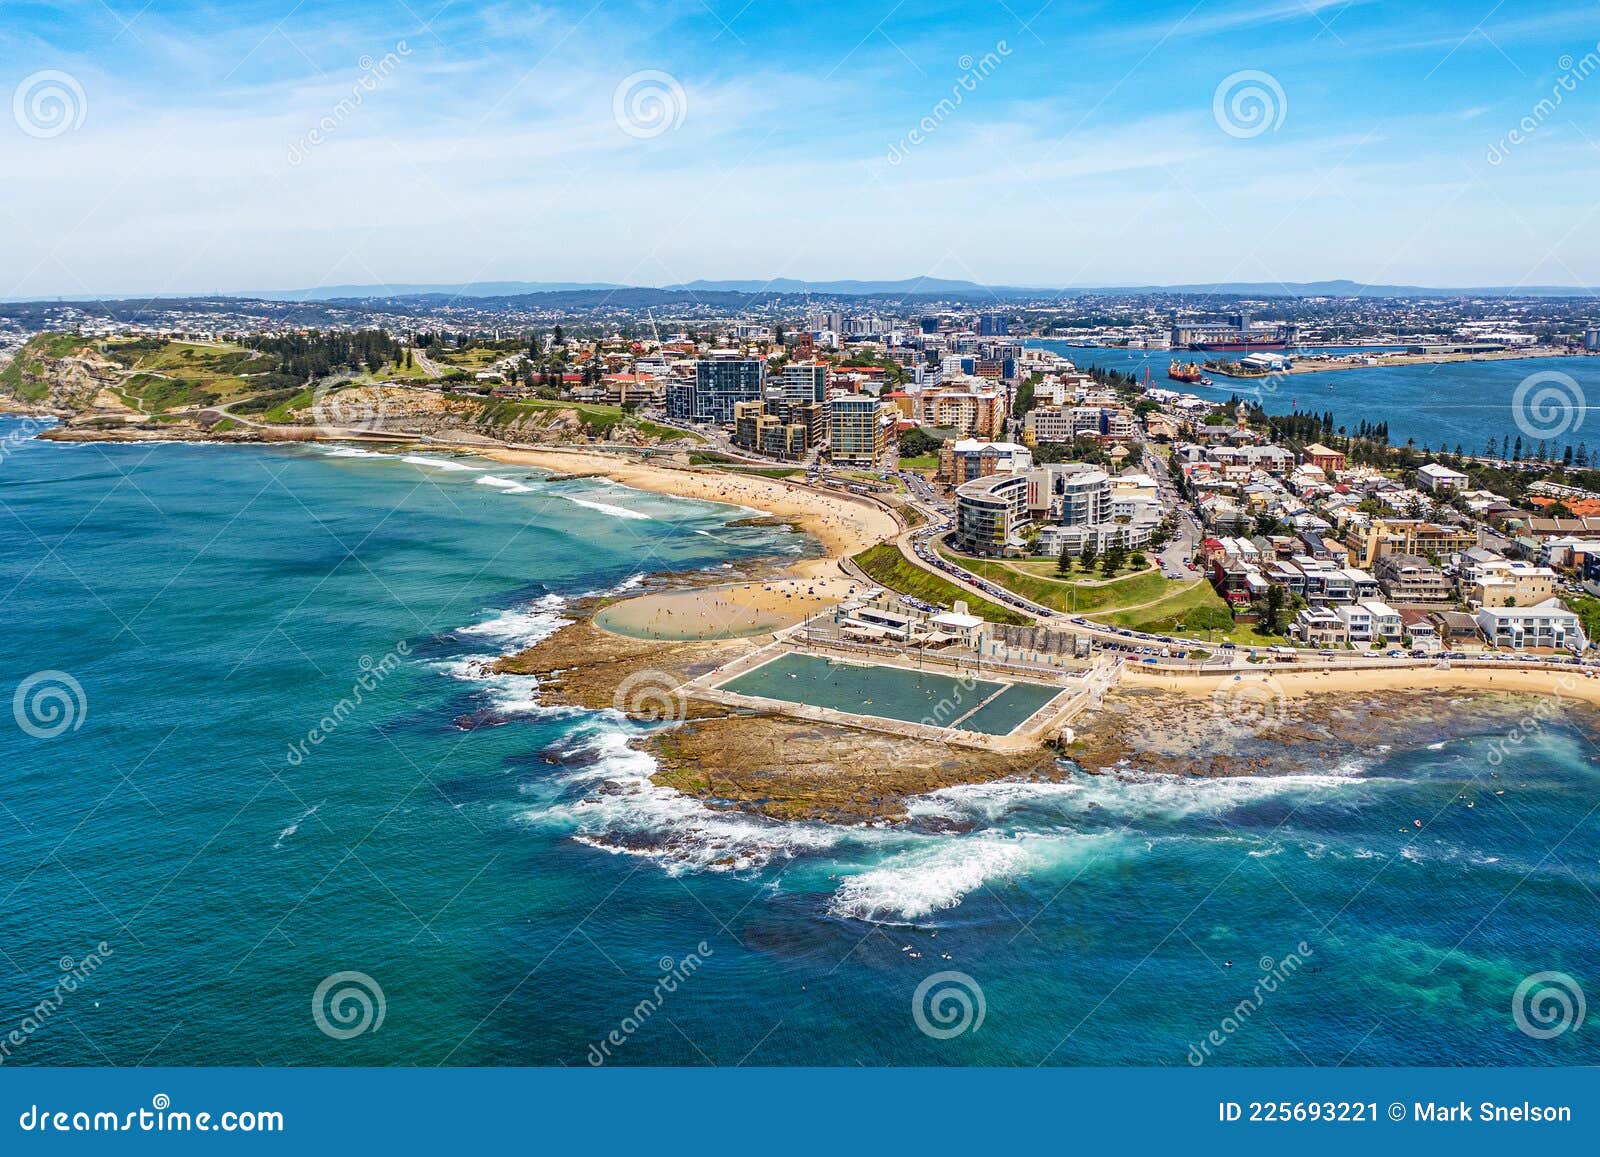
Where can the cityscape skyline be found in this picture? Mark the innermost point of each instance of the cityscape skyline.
(658, 145)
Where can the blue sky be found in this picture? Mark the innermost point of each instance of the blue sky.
(254, 145)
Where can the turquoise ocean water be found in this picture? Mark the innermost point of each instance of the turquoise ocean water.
(507, 878)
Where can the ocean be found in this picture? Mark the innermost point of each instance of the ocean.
(261, 803)
(1447, 405)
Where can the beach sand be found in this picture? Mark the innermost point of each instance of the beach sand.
(732, 611)
(1561, 682)
(843, 526)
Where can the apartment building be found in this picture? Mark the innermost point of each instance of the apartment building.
(858, 430)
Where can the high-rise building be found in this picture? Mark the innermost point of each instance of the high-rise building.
(1086, 498)
(680, 399)
(805, 382)
(858, 430)
(993, 325)
(720, 382)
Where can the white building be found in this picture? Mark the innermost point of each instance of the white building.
(1546, 624)
(1439, 478)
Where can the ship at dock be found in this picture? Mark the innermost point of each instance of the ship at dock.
(1238, 335)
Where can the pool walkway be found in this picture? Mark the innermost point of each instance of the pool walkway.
(1077, 691)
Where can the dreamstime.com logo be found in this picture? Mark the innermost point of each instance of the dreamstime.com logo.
(1274, 974)
(674, 974)
(648, 103)
(651, 695)
(373, 673)
(373, 75)
(347, 1004)
(974, 71)
(1547, 1004)
(947, 1004)
(48, 704)
(74, 975)
(1573, 74)
(1547, 404)
(1253, 704)
(49, 103)
(342, 410)
(1248, 103)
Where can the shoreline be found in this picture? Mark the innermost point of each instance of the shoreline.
(788, 769)
(1567, 684)
(842, 525)
(1394, 361)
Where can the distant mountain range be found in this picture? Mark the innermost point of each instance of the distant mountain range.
(461, 289)
(921, 287)
(927, 289)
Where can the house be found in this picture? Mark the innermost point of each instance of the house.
(1420, 633)
(1440, 479)
(1455, 628)
(1409, 578)
(1358, 621)
(1545, 625)
(1511, 583)
(1386, 621)
(1321, 627)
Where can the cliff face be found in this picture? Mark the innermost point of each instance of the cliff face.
(146, 388)
(59, 374)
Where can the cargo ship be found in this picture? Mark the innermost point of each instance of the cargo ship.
(1244, 345)
(1179, 372)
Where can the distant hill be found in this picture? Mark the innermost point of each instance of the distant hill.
(464, 289)
(794, 292)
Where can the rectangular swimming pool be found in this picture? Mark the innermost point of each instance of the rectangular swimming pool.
(938, 700)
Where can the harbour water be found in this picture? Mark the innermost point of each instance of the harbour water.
(287, 769)
(1444, 405)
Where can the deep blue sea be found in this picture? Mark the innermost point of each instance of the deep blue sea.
(1456, 403)
(501, 885)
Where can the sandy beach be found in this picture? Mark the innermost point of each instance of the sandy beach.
(1564, 683)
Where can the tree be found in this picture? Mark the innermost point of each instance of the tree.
(1064, 561)
(1116, 554)
(916, 443)
(1087, 556)
(1273, 615)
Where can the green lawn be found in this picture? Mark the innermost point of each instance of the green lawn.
(600, 420)
(1071, 595)
(889, 568)
(1174, 605)
(1195, 610)
(922, 463)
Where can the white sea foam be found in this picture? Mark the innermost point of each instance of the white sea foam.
(607, 508)
(294, 825)
(633, 816)
(335, 451)
(449, 465)
(508, 631)
(520, 627)
(510, 486)
(917, 883)
(991, 801)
